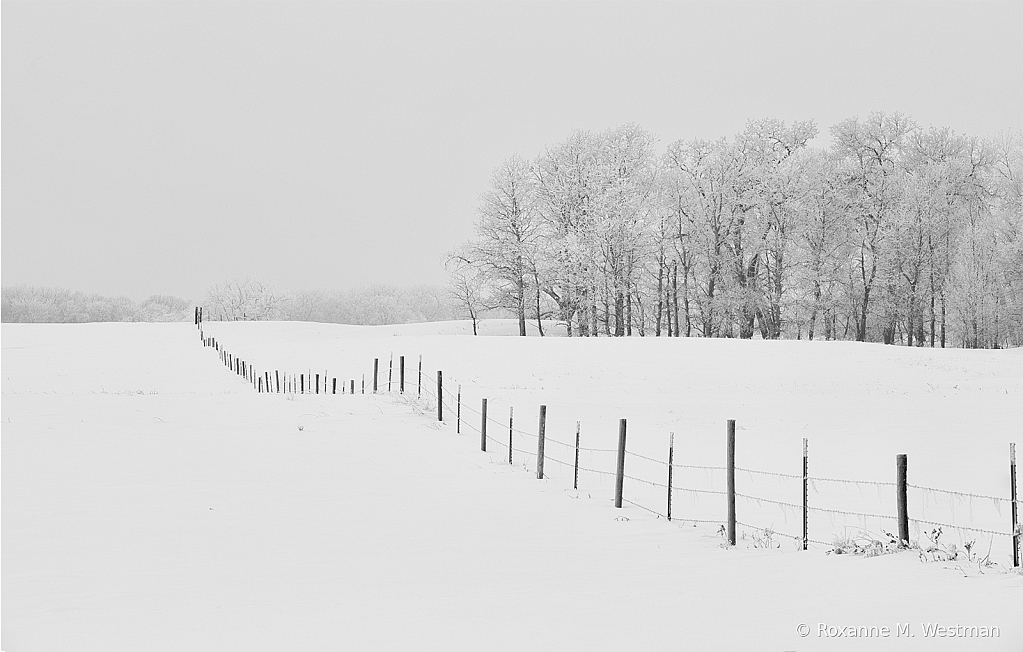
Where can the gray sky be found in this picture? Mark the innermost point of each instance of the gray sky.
(154, 148)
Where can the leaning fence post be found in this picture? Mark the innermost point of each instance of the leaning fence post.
(575, 477)
(483, 426)
(806, 494)
(620, 469)
(390, 371)
(900, 490)
(540, 442)
(730, 455)
(440, 395)
(376, 366)
(671, 458)
(1015, 521)
(401, 374)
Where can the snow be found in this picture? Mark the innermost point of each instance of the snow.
(153, 500)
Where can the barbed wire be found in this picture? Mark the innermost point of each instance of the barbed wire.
(626, 500)
(498, 441)
(870, 482)
(555, 441)
(583, 468)
(839, 511)
(683, 520)
(780, 475)
(962, 527)
(655, 484)
(549, 457)
(960, 493)
(598, 450)
(768, 500)
(769, 529)
(644, 457)
(700, 491)
(697, 466)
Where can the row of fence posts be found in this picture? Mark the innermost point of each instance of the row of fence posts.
(901, 468)
(901, 460)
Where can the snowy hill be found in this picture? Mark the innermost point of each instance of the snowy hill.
(152, 499)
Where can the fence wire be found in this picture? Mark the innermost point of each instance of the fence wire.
(289, 383)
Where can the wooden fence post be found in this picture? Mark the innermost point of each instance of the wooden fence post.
(730, 459)
(540, 442)
(575, 477)
(376, 366)
(900, 490)
(351, 389)
(458, 412)
(390, 371)
(301, 383)
(363, 383)
(419, 392)
(806, 496)
(333, 386)
(440, 395)
(401, 374)
(277, 376)
(318, 383)
(620, 467)
(1015, 515)
(671, 459)
(483, 427)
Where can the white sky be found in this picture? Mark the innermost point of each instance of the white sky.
(153, 148)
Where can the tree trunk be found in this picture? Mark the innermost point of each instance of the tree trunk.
(813, 310)
(674, 295)
(539, 315)
(660, 296)
(861, 321)
(943, 319)
(520, 299)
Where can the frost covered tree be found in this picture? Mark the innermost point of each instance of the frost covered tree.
(509, 232)
(244, 299)
(467, 286)
(895, 234)
(869, 151)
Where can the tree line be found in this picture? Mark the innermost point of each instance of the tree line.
(255, 299)
(895, 233)
(234, 300)
(31, 304)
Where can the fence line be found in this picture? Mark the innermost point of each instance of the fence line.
(308, 383)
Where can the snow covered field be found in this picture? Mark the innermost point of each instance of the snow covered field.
(152, 500)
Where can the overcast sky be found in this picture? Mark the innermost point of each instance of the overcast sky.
(154, 148)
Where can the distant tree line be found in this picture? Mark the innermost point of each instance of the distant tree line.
(24, 303)
(253, 299)
(896, 234)
(235, 299)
